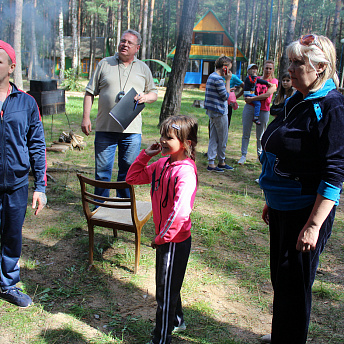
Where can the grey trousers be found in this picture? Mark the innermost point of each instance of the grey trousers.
(218, 136)
(247, 117)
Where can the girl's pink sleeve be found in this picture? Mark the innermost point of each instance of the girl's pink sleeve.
(139, 172)
(185, 192)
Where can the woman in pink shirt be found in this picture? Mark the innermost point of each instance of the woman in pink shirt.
(264, 94)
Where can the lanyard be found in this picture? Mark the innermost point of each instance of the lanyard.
(8, 93)
(119, 76)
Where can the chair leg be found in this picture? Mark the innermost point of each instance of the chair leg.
(137, 250)
(114, 232)
(90, 245)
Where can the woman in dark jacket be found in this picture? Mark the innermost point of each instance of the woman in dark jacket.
(302, 177)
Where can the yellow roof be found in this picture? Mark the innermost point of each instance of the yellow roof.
(210, 51)
(208, 23)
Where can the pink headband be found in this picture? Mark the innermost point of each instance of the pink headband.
(9, 50)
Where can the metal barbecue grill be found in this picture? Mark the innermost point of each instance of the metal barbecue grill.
(49, 99)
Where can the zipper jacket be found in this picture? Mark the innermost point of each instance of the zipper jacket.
(173, 191)
(303, 150)
(22, 143)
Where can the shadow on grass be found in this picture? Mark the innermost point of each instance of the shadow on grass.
(63, 336)
(105, 298)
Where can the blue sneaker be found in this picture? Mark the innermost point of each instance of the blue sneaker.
(225, 167)
(16, 296)
(214, 169)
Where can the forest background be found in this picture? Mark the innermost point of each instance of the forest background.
(43, 22)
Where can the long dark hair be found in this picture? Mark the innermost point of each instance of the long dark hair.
(185, 128)
(282, 92)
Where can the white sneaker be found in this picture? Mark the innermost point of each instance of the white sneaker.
(242, 160)
(265, 339)
(179, 328)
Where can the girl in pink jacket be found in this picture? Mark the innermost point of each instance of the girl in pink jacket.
(173, 182)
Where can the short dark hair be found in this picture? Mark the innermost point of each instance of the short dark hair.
(135, 33)
(222, 61)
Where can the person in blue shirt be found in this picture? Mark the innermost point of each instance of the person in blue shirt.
(235, 84)
(216, 96)
(250, 83)
(22, 146)
(302, 177)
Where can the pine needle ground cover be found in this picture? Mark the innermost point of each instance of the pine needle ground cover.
(226, 294)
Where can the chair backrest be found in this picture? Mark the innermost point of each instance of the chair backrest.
(107, 202)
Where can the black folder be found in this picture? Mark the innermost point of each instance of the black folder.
(125, 111)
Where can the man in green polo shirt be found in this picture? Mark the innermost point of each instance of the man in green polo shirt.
(113, 77)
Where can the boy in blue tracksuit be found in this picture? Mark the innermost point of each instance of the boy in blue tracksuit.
(22, 146)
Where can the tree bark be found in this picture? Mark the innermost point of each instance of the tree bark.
(144, 31)
(92, 42)
(167, 47)
(61, 44)
(289, 36)
(336, 21)
(129, 14)
(173, 95)
(150, 27)
(18, 78)
(79, 32)
(75, 36)
(229, 17)
(253, 23)
(277, 34)
(247, 7)
(32, 73)
(257, 34)
(141, 16)
(236, 35)
(178, 15)
(119, 21)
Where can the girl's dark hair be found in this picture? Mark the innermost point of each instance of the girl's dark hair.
(282, 91)
(185, 128)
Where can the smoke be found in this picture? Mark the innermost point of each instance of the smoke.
(39, 33)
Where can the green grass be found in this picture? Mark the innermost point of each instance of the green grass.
(226, 292)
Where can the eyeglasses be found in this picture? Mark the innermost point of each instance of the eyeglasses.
(310, 39)
(130, 44)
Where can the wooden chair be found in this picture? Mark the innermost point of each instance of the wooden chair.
(125, 214)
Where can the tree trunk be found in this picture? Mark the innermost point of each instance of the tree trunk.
(173, 95)
(236, 36)
(267, 13)
(61, 43)
(253, 23)
(75, 36)
(119, 21)
(150, 26)
(129, 14)
(18, 78)
(247, 7)
(79, 32)
(167, 47)
(289, 36)
(255, 50)
(141, 16)
(92, 41)
(144, 31)
(277, 34)
(229, 17)
(33, 53)
(178, 15)
(336, 21)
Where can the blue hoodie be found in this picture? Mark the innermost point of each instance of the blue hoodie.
(22, 143)
(303, 150)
